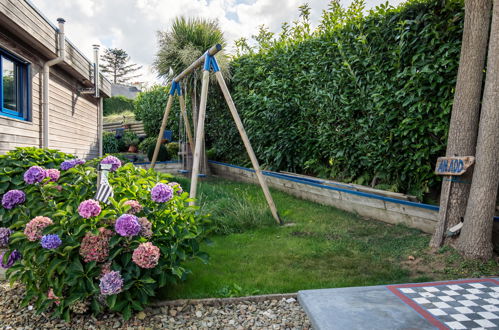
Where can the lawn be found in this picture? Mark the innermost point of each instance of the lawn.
(320, 247)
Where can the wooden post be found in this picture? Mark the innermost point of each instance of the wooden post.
(199, 134)
(247, 144)
(161, 130)
(186, 121)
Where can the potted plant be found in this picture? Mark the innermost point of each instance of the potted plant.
(131, 140)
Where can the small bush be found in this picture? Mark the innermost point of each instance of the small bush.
(173, 148)
(117, 104)
(79, 252)
(146, 143)
(110, 143)
(163, 154)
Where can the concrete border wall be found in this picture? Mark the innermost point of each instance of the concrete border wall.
(416, 215)
(171, 167)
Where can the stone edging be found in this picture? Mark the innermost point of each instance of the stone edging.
(223, 301)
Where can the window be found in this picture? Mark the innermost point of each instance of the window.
(14, 86)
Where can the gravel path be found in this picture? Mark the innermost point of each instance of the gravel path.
(268, 314)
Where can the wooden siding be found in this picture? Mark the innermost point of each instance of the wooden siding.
(22, 18)
(73, 117)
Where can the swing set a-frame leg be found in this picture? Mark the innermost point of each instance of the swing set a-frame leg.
(162, 130)
(249, 148)
(199, 135)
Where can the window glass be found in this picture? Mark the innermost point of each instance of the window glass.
(9, 78)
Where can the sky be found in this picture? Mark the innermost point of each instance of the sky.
(132, 24)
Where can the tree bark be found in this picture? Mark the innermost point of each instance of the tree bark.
(463, 129)
(476, 235)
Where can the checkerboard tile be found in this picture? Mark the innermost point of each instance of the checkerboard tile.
(463, 305)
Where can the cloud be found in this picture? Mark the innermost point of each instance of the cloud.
(132, 24)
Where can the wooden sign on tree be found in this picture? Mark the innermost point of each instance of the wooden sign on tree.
(453, 165)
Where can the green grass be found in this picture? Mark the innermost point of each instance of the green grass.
(325, 247)
(127, 116)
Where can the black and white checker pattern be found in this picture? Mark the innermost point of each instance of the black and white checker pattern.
(459, 306)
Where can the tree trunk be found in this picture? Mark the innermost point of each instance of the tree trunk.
(463, 129)
(476, 235)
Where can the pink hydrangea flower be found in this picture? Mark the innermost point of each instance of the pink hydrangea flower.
(53, 174)
(95, 247)
(52, 296)
(34, 228)
(89, 208)
(135, 207)
(146, 255)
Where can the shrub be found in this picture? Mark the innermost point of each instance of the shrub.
(117, 104)
(146, 143)
(149, 108)
(69, 250)
(163, 154)
(173, 148)
(110, 143)
(14, 164)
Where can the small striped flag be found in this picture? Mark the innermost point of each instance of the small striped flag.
(104, 191)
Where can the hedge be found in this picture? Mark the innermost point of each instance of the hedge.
(150, 106)
(362, 98)
(117, 104)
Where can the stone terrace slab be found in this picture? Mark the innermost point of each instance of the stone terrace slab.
(461, 304)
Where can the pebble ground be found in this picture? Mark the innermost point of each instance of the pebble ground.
(268, 314)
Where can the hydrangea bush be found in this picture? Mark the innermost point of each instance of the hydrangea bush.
(72, 251)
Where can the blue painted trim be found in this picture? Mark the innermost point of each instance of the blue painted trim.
(23, 88)
(316, 183)
(165, 162)
(175, 88)
(210, 62)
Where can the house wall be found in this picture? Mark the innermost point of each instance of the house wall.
(73, 119)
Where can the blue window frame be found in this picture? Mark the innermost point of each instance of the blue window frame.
(15, 86)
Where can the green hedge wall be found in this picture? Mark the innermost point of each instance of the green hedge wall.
(360, 98)
(150, 107)
(117, 104)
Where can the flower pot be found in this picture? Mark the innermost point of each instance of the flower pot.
(132, 149)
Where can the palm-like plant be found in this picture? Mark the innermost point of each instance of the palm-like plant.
(183, 43)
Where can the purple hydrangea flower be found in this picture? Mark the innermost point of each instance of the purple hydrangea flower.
(115, 162)
(127, 225)
(14, 256)
(4, 236)
(35, 174)
(13, 197)
(51, 241)
(161, 193)
(177, 186)
(53, 174)
(89, 208)
(111, 283)
(67, 164)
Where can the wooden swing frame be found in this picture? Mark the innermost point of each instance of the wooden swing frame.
(210, 63)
